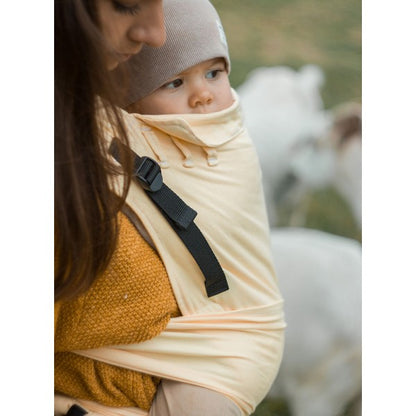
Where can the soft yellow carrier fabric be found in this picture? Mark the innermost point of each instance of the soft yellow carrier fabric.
(232, 342)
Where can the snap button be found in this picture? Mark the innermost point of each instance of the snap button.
(212, 161)
(188, 163)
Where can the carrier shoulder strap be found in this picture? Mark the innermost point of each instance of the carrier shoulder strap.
(179, 215)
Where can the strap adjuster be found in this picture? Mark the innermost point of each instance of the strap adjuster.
(148, 172)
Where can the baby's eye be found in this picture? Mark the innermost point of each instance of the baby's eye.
(176, 83)
(213, 73)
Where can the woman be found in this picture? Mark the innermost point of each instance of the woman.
(112, 288)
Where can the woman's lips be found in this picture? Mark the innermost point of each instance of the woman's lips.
(122, 57)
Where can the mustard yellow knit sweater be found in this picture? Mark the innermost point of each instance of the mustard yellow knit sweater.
(131, 302)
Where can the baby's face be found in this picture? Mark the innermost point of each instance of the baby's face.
(203, 88)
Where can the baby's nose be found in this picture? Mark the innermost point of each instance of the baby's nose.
(201, 97)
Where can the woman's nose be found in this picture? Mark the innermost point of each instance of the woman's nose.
(201, 96)
(150, 27)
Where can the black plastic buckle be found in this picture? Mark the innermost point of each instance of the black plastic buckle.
(148, 172)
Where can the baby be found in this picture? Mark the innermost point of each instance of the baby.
(202, 88)
(223, 351)
(189, 73)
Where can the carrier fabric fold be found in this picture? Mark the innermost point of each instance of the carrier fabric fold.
(212, 129)
(236, 353)
(232, 342)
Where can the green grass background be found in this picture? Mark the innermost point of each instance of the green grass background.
(293, 33)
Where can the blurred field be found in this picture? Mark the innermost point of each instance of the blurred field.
(293, 33)
(296, 32)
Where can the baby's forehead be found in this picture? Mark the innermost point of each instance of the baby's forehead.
(204, 65)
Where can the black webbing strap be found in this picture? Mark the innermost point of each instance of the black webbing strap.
(179, 215)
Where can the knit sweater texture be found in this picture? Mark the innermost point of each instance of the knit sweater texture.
(131, 302)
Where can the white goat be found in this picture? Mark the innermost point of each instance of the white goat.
(320, 279)
(301, 146)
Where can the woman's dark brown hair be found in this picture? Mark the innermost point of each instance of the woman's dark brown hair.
(85, 207)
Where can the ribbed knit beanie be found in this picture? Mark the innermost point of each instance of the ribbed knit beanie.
(194, 34)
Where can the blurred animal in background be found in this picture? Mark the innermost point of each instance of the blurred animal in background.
(301, 146)
(320, 279)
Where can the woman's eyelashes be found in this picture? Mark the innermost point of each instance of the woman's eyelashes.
(126, 9)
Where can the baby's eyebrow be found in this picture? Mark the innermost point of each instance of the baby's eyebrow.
(174, 77)
(186, 71)
(217, 61)
(212, 62)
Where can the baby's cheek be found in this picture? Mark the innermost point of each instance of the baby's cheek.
(226, 99)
